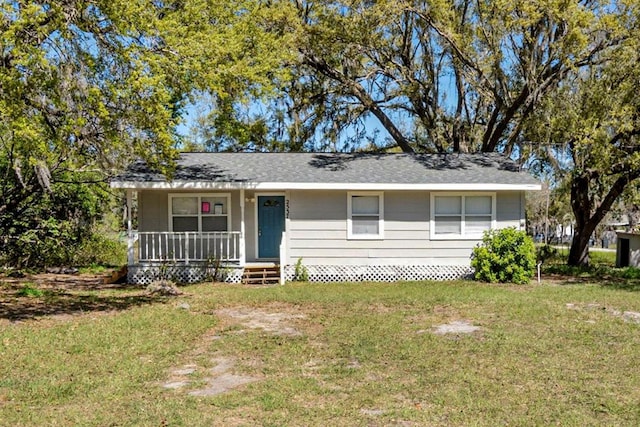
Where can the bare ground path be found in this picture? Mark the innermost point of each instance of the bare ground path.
(217, 374)
(65, 294)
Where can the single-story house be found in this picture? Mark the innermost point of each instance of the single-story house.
(342, 217)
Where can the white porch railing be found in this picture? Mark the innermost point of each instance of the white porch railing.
(157, 246)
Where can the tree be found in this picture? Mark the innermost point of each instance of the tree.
(88, 85)
(589, 132)
(437, 76)
(77, 95)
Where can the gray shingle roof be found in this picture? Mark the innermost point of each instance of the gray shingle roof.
(247, 169)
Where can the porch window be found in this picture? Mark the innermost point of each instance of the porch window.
(199, 212)
(365, 215)
(461, 216)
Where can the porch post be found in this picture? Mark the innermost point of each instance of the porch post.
(130, 254)
(243, 258)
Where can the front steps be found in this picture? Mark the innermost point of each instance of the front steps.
(261, 275)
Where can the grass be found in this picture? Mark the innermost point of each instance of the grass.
(365, 355)
(30, 290)
(94, 269)
(601, 269)
(596, 257)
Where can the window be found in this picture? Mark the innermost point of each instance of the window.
(199, 212)
(461, 215)
(365, 215)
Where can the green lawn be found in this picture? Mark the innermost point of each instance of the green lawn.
(597, 257)
(339, 354)
(601, 269)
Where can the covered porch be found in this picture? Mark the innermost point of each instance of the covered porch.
(169, 235)
(225, 247)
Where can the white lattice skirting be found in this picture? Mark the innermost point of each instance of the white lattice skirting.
(143, 275)
(381, 273)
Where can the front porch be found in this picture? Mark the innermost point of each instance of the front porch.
(213, 247)
(201, 236)
(191, 257)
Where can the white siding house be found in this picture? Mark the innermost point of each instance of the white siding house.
(345, 216)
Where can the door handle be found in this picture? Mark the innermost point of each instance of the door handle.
(259, 233)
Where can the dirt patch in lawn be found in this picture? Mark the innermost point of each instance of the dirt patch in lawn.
(279, 323)
(206, 372)
(62, 296)
(85, 281)
(217, 379)
(220, 376)
(455, 327)
(627, 316)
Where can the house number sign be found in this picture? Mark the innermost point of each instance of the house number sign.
(286, 209)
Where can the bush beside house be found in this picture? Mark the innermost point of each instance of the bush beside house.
(506, 255)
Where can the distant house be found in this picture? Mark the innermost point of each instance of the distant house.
(344, 217)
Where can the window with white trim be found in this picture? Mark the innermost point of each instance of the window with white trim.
(199, 212)
(461, 216)
(365, 218)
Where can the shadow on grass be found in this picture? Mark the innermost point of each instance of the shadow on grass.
(627, 285)
(627, 279)
(15, 306)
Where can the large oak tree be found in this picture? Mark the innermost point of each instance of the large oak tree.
(88, 85)
(437, 75)
(588, 135)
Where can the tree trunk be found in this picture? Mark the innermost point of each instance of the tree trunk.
(579, 252)
(581, 206)
(587, 218)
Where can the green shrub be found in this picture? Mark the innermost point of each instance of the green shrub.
(631, 273)
(99, 250)
(545, 253)
(301, 273)
(506, 256)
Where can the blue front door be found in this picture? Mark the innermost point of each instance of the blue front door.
(270, 225)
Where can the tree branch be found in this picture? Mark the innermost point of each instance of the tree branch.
(358, 91)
